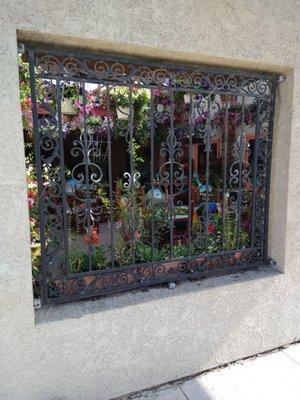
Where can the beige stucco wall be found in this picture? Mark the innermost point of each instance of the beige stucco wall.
(102, 349)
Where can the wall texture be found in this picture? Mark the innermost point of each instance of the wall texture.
(109, 347)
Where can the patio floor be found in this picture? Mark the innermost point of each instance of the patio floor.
(273, 376)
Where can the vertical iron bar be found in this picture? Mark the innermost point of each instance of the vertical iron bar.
(110, 182)
(62, 176)
(152, 175)
(268, 169)
(208, 144)
(87, 177)
(132, 175)
(241, 155)
(254, 181)
(191, 125)
(225, 139)
(40, 185)
(171, 155)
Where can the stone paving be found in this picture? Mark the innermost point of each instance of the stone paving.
(272, 376)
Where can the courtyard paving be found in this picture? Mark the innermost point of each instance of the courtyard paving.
(272, 376)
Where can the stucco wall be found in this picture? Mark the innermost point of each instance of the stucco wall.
(105, 348)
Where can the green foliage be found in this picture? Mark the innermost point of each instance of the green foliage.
(104, 198)
(143, 253)
(79, 260)
(140, 102)
(122, 251)
(70, 90)
(215, 234)
(24, 80)
(121, 97)
(180, 250)
(137, 159)
(93, 121)
(98, 258)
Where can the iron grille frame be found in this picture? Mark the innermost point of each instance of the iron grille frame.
(69, 65)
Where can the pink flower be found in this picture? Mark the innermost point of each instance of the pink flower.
(156, 92)
(137, 235)
(30, 202)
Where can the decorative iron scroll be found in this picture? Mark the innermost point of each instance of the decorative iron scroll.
(133, 72)
(138, 277)
(157, 174)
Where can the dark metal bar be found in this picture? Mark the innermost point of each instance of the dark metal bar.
(87, 175)
(224, 199)
(254, 184)
(62, 176)
(132, 175)
(41, 205)
(207, 149)
(110, 181)
(241, 156)
(191, 126)
(171, 156)
(152, 175)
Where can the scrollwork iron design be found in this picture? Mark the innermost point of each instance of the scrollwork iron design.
(207, 115)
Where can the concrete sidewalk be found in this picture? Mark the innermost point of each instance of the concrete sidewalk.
(273, 376)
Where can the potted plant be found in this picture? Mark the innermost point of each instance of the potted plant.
(70, 93)
(122, 101)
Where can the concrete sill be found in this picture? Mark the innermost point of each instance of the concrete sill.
(81, 308)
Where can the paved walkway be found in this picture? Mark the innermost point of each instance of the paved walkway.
(274, 376)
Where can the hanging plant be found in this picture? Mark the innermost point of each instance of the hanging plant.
(139, 100)
(70, 93)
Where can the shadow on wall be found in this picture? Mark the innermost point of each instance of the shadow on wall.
(78, 309)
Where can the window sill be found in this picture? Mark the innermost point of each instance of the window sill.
(79, 309)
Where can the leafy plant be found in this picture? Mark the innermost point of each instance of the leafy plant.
(93, 121)
(143, 253)
(215, 234)
(137, 159)
(79, 262)
(103, 197)
(24, 79)
(121, 97)
(122, 251)
(140, 102)
(70, 90)
(98, 258)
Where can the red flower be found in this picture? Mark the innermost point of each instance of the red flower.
(93, 238)
(211, 228)
(31, 194)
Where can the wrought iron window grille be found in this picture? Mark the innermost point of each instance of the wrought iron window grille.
(163, 176)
